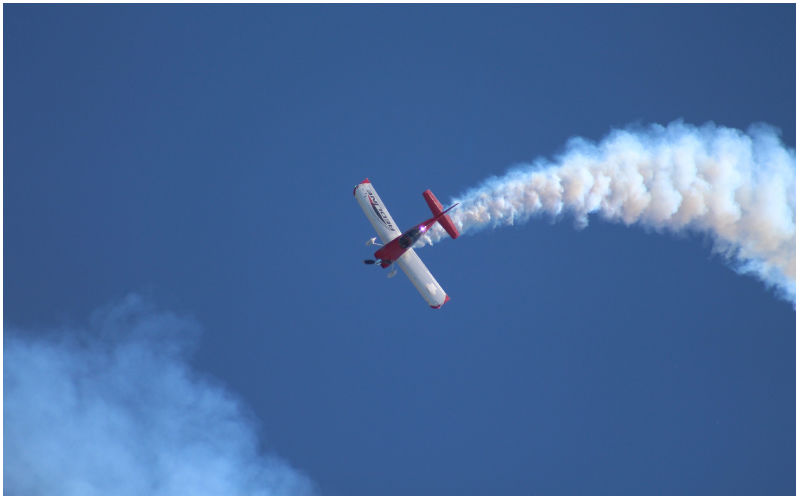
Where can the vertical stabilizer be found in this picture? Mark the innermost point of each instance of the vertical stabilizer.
(436, 208)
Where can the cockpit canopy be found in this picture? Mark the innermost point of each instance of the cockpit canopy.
(409, 237)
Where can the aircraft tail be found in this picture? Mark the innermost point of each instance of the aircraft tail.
(443, 219)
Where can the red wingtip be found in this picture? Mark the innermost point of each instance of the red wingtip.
(446, 300)
(365, 181)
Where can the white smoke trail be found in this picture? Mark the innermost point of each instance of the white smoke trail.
(737, 187)
(116, 409)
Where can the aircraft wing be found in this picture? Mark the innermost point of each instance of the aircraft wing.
(387, 230)
(422, 279)
(376, 211)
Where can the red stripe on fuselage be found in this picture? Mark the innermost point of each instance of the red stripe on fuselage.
(392, 250)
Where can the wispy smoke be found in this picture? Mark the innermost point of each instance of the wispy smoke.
(737, 187)
(116, 409)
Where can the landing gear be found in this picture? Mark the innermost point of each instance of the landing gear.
(383, 263)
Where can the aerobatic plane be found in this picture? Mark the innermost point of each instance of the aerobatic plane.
(396, 248)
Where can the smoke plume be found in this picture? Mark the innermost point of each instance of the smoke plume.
(736, 187)
(116, 409)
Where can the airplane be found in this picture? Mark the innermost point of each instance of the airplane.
(396, 248)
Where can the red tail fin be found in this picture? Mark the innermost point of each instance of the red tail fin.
(436, 208)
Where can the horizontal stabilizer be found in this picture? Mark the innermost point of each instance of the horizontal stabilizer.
(436, 208)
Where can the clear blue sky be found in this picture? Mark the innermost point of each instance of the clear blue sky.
(204, 156)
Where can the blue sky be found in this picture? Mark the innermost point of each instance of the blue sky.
(203, 157)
